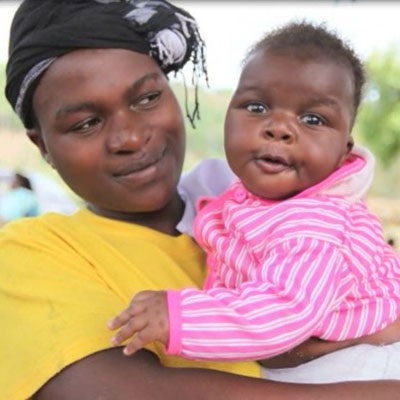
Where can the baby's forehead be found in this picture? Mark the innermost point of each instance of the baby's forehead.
(262, 60)
(265, 62)
(304, 54)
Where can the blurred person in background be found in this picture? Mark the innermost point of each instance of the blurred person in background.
(19, 201)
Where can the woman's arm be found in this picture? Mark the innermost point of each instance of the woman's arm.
(314, 347)
(109, 375)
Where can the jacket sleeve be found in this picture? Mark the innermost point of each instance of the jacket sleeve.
(281, 307)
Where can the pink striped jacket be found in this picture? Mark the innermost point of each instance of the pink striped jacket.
(282, 271)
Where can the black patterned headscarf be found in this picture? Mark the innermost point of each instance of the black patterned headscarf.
(43, 30)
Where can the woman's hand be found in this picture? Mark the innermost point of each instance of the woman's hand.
(146, 319)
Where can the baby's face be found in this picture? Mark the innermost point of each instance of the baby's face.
(288, 124)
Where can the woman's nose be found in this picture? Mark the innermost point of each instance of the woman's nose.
(126, 134)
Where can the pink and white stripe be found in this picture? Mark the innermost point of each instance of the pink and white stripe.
(283, 271)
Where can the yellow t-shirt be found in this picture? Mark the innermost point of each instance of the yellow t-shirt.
(62, 278)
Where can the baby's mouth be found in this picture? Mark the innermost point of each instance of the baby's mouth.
(272, 164)
(275, 160)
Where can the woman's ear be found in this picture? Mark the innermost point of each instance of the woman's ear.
(36, 138)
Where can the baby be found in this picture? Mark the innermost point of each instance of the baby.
(292, 250)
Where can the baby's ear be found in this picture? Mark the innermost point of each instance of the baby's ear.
(349, 148)
(350, 145)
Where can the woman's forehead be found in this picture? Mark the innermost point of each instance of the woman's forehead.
(97, 61)
(93, 71)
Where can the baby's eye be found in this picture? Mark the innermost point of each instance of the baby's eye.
(312, 119)
(257, 108)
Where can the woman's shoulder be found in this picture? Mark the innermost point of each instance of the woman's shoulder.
(47, 230)
(34, 224)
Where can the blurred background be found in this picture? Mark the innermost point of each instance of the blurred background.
(229, 28)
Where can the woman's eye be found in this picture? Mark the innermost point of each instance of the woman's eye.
(148, 100)
(312, 119)
(257, 108)
(85, 126)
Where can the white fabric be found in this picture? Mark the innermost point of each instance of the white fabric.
(361, 362)
(208, 178)
(355, 186)
(171, 46)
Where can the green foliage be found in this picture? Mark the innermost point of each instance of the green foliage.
(378, 122)
(206, 139)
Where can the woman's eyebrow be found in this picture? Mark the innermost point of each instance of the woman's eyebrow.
(72, 108)
(143, 79)
(89, 106)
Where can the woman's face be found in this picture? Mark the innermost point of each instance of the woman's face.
(111, 126)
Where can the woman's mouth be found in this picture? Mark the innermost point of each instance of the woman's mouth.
(139, 170)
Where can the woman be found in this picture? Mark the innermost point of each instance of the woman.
(100, 110)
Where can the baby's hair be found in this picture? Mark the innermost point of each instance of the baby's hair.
(311, 41)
